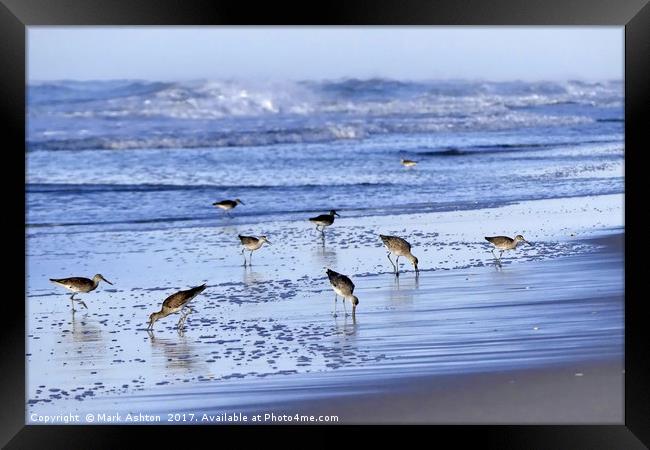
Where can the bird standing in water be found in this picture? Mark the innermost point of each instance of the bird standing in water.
(79, 285)
(344, 287)
(324, 220)
(504, 243)
(175, 303)
(252, 243)
(227, 205)
(399, 247)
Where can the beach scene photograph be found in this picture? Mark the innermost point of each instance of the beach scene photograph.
(324, 225)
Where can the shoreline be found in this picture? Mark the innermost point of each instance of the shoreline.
(489, 394)
(241, 218)
(557, 233)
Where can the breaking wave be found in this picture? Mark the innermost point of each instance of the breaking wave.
(125, 114)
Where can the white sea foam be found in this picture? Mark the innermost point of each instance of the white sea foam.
(218, 113)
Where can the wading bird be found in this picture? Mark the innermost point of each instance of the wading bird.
(324, 220)
(227, 205)
(175, 303)
(344, 287)
(251, 243)
(504, 243)
(79, 285)
(399, 247)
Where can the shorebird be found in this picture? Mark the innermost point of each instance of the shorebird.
(251, 243)
(408, 162)
(324, 220)
(79, 284)
(399, 247)
(344, 287)
(227, 205)
(504, 243)
(175, 303)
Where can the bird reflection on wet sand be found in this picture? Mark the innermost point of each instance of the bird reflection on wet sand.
(252, 277)
(83, 331)
(177, 353)
(348, 327)
(404, 290)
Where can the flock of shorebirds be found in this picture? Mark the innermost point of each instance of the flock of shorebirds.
(341, 284)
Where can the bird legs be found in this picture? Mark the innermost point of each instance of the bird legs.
(322, 230)
(495, 256)
(394, 266)
(72, 300)
(250, 262)
(184, 314)
(335, 298)
(497, 261)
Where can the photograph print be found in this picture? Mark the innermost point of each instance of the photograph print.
(324, 225)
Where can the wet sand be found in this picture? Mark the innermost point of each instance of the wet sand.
(264, 337)
(580, 393)
(584, 392)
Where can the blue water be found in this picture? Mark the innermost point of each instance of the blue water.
(126, 155)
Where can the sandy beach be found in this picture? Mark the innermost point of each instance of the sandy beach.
(579, 393)
(538, 340)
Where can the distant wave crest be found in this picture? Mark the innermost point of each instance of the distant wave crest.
(219, 99)
(126, 114)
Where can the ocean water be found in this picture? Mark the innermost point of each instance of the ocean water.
(137, 155)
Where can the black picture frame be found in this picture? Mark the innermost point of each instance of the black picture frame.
(16, 15)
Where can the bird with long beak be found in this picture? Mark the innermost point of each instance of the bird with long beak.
(251, 243)
(504, 243)
(79, 284)
(324, 220)
(399, 247)
(175, 303)
(344, 287)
